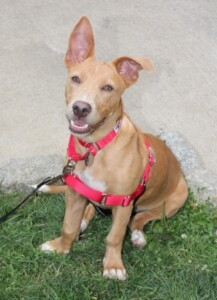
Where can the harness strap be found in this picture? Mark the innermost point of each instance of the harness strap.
(76, 184)
(93, 195)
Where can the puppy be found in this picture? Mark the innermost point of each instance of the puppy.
(111, 162)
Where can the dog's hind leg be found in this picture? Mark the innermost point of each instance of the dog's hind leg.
(170, 206)
(138, 222)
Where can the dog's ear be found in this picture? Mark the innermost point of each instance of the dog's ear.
(128, 68)
(81, 43)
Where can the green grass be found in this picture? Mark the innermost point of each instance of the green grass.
(179, 261)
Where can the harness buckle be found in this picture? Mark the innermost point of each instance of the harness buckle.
(143, 183)
(152, 159)
(103, 201)
(126, 201)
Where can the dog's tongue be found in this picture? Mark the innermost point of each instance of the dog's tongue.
(79, 126)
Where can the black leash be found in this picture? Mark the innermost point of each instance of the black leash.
(47, 180)
(50, 180)
(69, 168)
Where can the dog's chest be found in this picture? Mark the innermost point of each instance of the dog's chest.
(92, 182)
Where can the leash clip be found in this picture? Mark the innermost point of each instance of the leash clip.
(69, 167)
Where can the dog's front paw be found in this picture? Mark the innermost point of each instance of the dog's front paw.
(54, 246)
(114, 270)
(119, 274)
(138, 238)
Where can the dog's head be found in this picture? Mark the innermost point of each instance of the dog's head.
(94, 88)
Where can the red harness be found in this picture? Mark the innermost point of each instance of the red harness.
(76, 184)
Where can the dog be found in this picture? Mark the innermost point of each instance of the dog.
(111, 162)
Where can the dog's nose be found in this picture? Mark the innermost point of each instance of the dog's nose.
(81, 108)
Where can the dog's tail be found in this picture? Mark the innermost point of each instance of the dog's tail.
(51, 189)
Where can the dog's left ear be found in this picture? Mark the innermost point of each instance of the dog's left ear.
(128, 68)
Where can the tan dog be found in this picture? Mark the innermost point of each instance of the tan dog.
(94, 104)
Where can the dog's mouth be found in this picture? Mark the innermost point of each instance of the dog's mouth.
(81, 127)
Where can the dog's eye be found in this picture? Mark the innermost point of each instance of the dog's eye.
(76, 79)
(107, 88)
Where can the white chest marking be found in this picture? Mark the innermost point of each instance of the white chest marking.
(91, 182)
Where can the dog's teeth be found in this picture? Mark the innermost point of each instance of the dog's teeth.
(74, 125)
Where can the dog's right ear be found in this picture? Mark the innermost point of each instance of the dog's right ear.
(81, 43)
